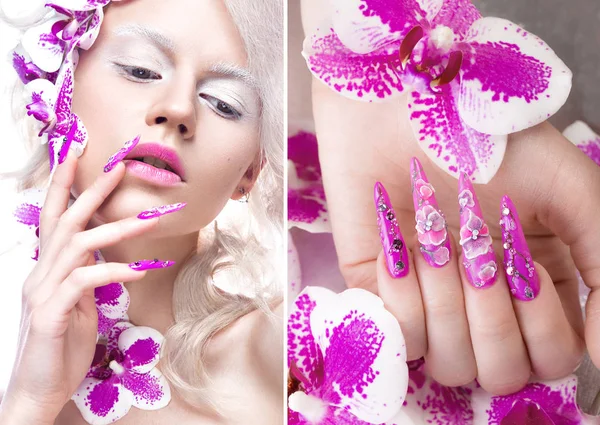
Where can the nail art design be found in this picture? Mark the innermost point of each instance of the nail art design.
(151, 264)
(432, 230)
(391, 239)
(160, 211)
(522, 278)
(121, 154)
(475, 240)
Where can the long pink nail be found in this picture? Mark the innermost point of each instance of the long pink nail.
(150, 264)
(475, 240)
(160, 211)
(432, 231)
(520, 270)
(121, 154)
(392, 241)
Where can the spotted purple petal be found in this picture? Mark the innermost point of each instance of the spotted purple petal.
(43, 46)
(102, 402)
(369, 77)
(448, 141)
(112, 302)
(365, 26)
(511, 79)
(363, 365)
(141, 347)
(87, 38)
(582, 136)
(458, 15)
(150, 391)
(26, 69)
(536, 403)
(307, 207)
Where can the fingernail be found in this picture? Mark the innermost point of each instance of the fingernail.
(479, 259)
(523, 280)
(432, 231)
(64, 149)
(121, 154)
(160, 211)
(151, 264)
(392, 241)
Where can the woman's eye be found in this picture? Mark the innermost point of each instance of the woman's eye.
(139, 73)
(221, 108)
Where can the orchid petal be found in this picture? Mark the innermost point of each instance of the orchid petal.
(294, 271)
(303, 352)
(45, 49)
(80, 5)
(429, 402)
(511, 79)
(365, 26)
(89, 37)
(141, 347)
(370, 77)
(22, 63)
(112, 302)
(364, 355)
(307, 208)
(582, 136)
(150, 391)
(102, 402)
(78, 135)
(449, 142)
(458, 15)
(537, 403)
(114, 333)
(43, 91)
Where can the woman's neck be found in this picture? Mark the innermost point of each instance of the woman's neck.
(152, 296)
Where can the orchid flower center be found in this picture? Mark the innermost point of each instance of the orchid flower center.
(429, 58)
(312, 408)
(116, 367)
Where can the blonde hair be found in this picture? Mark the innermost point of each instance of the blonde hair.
(201, 309)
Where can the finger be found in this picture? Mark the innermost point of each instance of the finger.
(501, 355)
(397, 281)
(555, 350)
(77, 251)
(84, 279)
(554, 347)
(450, 358)
(57, 198)
(76, 218)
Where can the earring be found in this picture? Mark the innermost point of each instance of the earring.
(245, 195)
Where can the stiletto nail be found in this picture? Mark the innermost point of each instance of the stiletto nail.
(121, 154)
(151, 264)
(475, 240)
(432, 231)
(523, 279)
(392, 241)
(160, 211)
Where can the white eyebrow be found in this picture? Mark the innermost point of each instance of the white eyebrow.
(235, 72)
(155, 37)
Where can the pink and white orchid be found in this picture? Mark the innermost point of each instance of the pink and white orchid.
(475, 237)
(112, 302)
(123, 374)
(540, 403)
(307, 207)
(347, 359)
(431, 226)
(582, 136)
(27, 213)
(471, 80)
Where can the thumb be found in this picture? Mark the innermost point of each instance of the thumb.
(571, 212)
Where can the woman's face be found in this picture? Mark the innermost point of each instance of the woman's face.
(175, 73)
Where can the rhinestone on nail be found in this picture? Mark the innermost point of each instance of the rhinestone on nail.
(505, 211)
(399, 265)
(510, 271)
(528, 293)
(397, 245)
(390, 215)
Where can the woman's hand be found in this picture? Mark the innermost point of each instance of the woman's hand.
(556, 188)
(59, 320)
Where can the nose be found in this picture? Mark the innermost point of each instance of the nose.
(175, 108)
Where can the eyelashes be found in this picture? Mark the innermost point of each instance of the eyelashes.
(144, 75)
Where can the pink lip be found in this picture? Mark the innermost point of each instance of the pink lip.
(152, 174)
